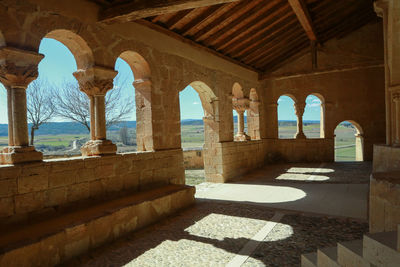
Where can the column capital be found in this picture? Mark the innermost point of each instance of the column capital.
(381, 7)
(396, 96)
(240, 104)
(299, 108)
(95, 81)
(18, 68)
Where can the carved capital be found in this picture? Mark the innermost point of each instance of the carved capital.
(95, 81)
(396, 96)
(381, 7)
(18, 68)
(299, 108)
(240, 104)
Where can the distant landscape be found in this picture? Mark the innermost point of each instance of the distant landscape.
(65, 138)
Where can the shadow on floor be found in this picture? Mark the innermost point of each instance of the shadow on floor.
(211, 233)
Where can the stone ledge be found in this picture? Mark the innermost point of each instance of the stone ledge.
(55, 240)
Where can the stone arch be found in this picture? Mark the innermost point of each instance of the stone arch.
(143, 98)
(83, 54)
(322, 113)
(290, 134)
(253, 115)
(359, 143)
(208, 99)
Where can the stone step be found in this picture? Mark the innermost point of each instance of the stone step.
(327, 257)
(380, 249)
(60, 237)
(350, 254)
(309, 260)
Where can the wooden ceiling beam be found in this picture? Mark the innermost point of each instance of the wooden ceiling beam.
(178, 17)
(200, 19)
(227, 17)
(179, 37)
(279, 31)
(301, 11)
(265, 27)
(138, 9)
(245, 20)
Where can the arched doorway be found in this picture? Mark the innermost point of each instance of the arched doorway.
(198, 104)
(349, 142)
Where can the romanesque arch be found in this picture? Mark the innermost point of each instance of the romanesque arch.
(76, 44)
(240, 104)
(320, 104)
(359, 140)
(143, 97)
(286, 109)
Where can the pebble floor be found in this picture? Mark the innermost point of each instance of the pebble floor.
(211, 233)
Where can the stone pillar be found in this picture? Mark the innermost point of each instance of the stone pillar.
(272, 121)
(253, 120)
(299, 109)
(96, 82)
(241, 105)
(18, 68)
(144, 117)
(396, 101)
(359, 147)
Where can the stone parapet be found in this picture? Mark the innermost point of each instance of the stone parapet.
(31, 188)
(384, 201)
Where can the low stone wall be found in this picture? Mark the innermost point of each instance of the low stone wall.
(38, 187)
(226, 161)
(384, 202)
(193, 159)
(300, 150)
(386, 158)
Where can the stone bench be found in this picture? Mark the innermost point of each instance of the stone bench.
(54, 240)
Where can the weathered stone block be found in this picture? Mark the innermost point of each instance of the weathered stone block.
(32, 183)
(8, 187)
(6, 206)
(63, 178)
(77, 241)
(30, 202)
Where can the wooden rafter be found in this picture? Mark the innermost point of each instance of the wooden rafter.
(300, 9)
(138, 9)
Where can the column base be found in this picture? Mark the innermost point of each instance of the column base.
(242, 137)
(300, 136)
(19, 154)
(98, 148)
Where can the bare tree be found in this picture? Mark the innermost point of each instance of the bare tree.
(73, 104)
(40, 106)
(123, 135)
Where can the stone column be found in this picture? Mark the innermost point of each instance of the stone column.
(18, 68)
(253, 120)
(299, 109)
(96, 82)
(241, 105)
(396, 101)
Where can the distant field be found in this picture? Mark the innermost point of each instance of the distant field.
(193, 137)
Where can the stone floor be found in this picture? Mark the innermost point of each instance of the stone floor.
(220, 232)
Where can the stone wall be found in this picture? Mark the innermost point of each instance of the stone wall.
(193, 159)
(386, 158)
(39, 187)
(300, 150)
(384, 202)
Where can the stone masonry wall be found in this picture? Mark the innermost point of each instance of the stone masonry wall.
(38, 187)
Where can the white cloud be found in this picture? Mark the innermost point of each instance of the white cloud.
(196, 103)
(313, 105)
(316, 101)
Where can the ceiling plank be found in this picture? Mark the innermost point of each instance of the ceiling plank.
(208, 13)
(179, 37)
(300, 9)
(178, 17)
(138, 9)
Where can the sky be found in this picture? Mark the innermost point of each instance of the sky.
(59, 64)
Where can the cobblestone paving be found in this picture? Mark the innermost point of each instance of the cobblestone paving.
(296, 235)
(209, 234)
